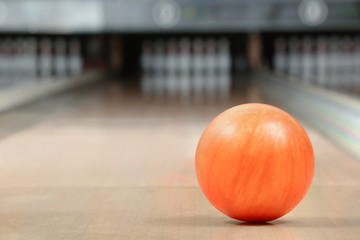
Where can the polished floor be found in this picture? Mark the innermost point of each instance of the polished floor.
(103, 162)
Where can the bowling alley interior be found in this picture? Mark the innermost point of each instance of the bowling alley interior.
(171, 119)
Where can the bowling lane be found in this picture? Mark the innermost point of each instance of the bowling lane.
(105, 162)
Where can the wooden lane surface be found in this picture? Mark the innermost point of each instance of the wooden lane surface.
(99, 164)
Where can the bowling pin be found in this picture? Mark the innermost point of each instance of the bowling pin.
(349, 58)
(210, 56)
(224, 57)
(198, 58)
(198, 61)
(280, 56)
(308, 60)
(146, 54)
(3, 63)
(172, 57)
(18, 57)
(184, 70)
(146, 63)
(9, 61)
(75, 62)
(159, 57)
(10, 57)
(21, 60)
(45, 58)
(356, 80)
(322, 61)
(159, 69)
(171, 68)
(343, 63)
(184, 56)
(352, 65)
(334, 64)
(30, 61)
(294, 57)
(60, 57)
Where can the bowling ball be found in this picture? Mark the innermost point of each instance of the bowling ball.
(254, 162)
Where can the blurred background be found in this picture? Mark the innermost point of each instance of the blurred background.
(101, 93)
(300, 55)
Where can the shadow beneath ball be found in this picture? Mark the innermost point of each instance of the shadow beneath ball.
(257, 224)
(210, 221)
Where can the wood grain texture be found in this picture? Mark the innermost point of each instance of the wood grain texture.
(103, 164)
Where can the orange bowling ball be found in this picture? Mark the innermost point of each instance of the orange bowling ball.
(254, 162)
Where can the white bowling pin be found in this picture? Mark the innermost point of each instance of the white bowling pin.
(31, 58)
(171, 68)
(159, 57)
(184, 70)
(45, 58)
(294, 57)
(3, 63)
(146, 57)
(184, 56)
(18, 59)
(334, 62)
(224, 57)
(197, 64)
(75, 62)
(60, 57)
(348, 58)
(342, 74)
(9, 60)
(172, 57)
(210, 56)
(308, 60)
(280, 55)
(357, 64)
(160, 79)
(198, 58)
(322, 61)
